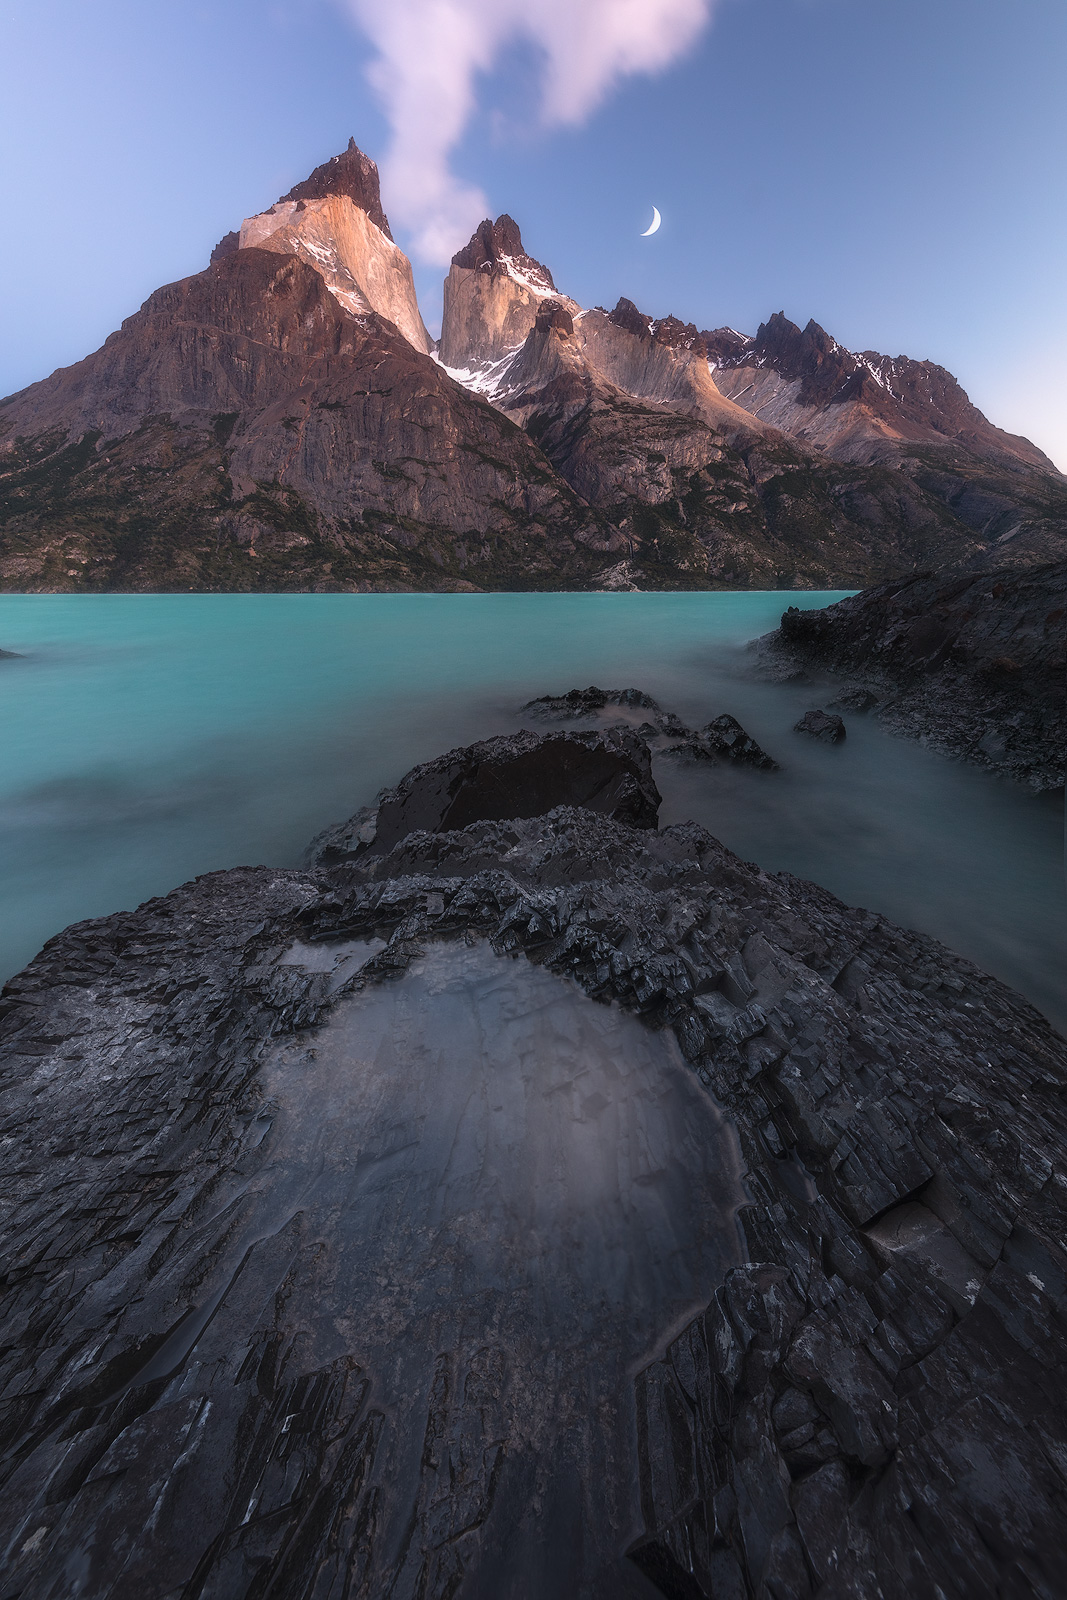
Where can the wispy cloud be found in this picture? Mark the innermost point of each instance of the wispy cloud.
(430, 55)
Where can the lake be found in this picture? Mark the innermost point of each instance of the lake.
(149, 738)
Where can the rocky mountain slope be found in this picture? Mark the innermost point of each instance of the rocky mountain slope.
(973, 665)
(911, 415)
(198, 449)
(244, 430)
(317, 1185)
(704, 494)
(334, 221)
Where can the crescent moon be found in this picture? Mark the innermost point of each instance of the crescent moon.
(656, 220)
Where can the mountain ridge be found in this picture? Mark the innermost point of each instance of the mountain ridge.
(641, 451)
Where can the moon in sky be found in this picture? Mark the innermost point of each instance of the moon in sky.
(656, 220)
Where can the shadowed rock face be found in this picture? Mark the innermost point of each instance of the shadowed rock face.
(514, 775)
(973, 664)
(523, 775)
(333, 1241)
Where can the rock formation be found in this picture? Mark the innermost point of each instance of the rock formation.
(516, 775)
(334, 221)
(723, 739)
(824, 725)
(338, 1219)
(492, 296)
(973, 665)
(364, 269)
(696, 488)
(856, 407)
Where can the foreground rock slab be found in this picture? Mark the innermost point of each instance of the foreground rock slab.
(332, 1237)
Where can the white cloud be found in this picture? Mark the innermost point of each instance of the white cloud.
(430, 53)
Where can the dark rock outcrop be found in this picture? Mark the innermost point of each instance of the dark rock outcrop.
(514, 775)
(351, 173)
(725, 736)
(227, 1370)
(973, 665)
(586, 702)
(824, 725)
(723, 739)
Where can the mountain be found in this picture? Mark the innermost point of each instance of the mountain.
(334, 221)
(283, 420)
(491, 297)
(910, 415)
(245, 430)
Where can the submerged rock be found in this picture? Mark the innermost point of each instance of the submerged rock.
(824, 725)
(585, 702)
(333, 1237)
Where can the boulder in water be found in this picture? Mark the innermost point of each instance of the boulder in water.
(514, 775)
(726, 737)
(824, 725)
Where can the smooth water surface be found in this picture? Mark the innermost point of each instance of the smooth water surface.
(148, 738)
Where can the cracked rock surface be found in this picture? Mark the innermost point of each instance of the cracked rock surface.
(710, 1246)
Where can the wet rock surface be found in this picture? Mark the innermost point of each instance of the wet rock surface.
(722, 739)
(824, 725)
(218, 1108)
(971, 665)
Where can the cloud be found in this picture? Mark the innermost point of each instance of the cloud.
(431, 52)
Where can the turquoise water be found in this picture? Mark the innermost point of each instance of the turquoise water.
(148, 738)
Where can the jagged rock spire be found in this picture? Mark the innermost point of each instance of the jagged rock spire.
(351, 173)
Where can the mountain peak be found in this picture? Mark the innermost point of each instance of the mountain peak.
(351, 173)
(496, 248)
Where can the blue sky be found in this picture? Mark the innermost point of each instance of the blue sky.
(893, 168)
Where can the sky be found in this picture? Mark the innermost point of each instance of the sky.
(895, 169)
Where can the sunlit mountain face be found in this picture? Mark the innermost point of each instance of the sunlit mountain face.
(283, 420)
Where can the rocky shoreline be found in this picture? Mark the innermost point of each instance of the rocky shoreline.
(869, 1400)
(973, 666)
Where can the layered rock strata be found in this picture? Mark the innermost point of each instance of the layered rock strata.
(270, 1329)
(973, 666)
